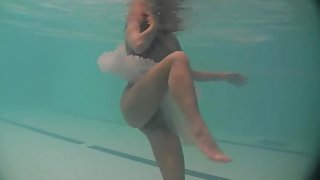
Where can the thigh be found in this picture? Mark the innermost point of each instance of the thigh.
(141, 100)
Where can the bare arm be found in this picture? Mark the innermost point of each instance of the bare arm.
(233, 78)
(137, 40)
(208, 76)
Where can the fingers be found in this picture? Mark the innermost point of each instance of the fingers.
(238, 80)
(242, 80)
(152, 19)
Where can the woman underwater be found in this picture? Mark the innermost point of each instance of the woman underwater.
(157, 71)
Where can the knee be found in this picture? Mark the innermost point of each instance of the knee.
(180, 54)
(180, 57)
(131, 120)
(134, 124)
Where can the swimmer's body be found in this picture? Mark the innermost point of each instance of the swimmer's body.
(150, 34)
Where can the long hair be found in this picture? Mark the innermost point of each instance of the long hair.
(170, 12)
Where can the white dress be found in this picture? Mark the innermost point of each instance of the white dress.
(131, 68)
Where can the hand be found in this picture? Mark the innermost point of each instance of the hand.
(152, 19)
(236, 79)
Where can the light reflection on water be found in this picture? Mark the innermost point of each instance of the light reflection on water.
(248, 21)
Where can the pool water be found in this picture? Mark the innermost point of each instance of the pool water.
(60, 116)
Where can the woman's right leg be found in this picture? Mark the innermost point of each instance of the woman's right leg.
(141, 101)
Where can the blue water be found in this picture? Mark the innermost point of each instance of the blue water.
(48, 52)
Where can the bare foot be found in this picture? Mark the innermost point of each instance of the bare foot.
(205, 143)
(216, 155)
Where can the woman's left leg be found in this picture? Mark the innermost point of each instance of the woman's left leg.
(166, 147)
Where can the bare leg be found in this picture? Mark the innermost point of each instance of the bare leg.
(166, 148)
(140, 102)
(185, 96)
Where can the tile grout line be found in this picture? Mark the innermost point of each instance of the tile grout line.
(109, 151)
(305, 154)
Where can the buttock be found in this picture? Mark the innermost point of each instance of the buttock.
(156, 122)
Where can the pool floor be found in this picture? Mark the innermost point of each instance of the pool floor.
(38, 145)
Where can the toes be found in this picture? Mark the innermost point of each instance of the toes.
(220, 158)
